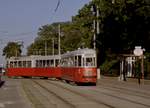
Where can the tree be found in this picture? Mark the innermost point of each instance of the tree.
(46, 35)
(12, 49)
(123, 25)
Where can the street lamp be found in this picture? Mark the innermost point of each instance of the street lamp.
(138, 51)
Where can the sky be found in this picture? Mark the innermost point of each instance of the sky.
(20, 19)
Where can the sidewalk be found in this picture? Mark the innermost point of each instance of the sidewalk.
(12, 95)
(128, 80)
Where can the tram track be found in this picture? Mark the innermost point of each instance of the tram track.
(55, 94)
(39, 96)
(120, 91)
(43, 84)
(82, 95)
(123, 98)
(111, 95)
(91, 96)
(30, 95)
(126, 90)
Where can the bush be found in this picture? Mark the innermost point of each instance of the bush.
(110, 67)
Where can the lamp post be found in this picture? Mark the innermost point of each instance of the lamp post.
(138, 51)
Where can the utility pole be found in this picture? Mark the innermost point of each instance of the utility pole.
(96, 24)
(53, 45)
(93, 9)
(59, 34)
(45, 47)
(97, 16)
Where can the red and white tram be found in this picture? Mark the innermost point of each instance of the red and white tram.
(34, 66)
(79, 66)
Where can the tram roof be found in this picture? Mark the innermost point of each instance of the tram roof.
(79, 52)
(35, 57)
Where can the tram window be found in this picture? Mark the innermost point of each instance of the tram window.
(7, 64)
(19, 64)
(48, 63)
(63, 62)
(28, 63)
(52, 63)
(56, 62)
(79, 60)
(15, 64)
(76, 61)
(72, 61)
(40, 63)
(11, 64)
(24, 64)
(37, 63)
(44, 64)
(89, 62)
(94, 61)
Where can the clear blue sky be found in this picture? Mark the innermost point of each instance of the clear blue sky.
(20, 19)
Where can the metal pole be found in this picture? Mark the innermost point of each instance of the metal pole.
(45, 47)
(142, 66)
(97, 15)
(59, 39)
(93, 9)
(94, 37)
(53, 46)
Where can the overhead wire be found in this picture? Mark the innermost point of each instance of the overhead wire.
(55, 10)
(24, 34)
(58, 3)
(21, 35)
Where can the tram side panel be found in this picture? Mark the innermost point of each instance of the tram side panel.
(79, 75)
(19, 72)
(56, 72)
(85, 75)
(67, 74)
(34, 72)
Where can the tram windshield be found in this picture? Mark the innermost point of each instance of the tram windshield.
(89, 61)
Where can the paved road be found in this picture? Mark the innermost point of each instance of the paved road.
(109, 93)
(12, 95)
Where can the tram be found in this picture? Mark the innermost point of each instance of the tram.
(79, 66)
(34, 66)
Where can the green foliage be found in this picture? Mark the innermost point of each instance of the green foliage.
(107, 66)
(12, 49)
(47, 37)
(124, 24)
(147, 65)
